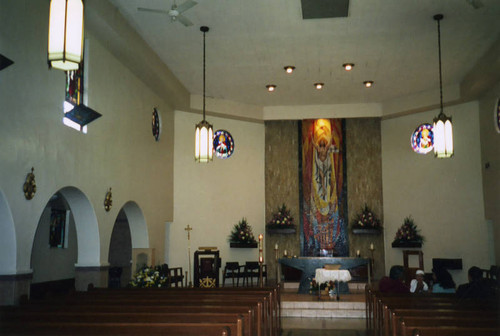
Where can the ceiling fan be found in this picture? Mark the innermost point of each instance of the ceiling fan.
(175, 12)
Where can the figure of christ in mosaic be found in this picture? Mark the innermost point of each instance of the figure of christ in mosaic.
(324, 231)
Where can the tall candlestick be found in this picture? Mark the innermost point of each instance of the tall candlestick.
(261, 257)
(261, 260)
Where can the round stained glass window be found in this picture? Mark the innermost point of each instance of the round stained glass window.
(422, 140)
(223, 144)
(156, 124)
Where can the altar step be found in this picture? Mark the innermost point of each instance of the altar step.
(350, 305)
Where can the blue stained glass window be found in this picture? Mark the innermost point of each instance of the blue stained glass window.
(422, 139)
(223, 144)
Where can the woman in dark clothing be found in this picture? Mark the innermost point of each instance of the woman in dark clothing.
(393, 283)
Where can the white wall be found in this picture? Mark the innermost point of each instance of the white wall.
(52, 263)
(213, 197)
(444, 196)
(490, 162)
(119, 150)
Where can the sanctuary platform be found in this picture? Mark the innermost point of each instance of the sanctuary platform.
(350, 305)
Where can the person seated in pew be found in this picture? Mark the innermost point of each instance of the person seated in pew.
(394, 282)
(418, 284)
(477, 287)
(443, 282)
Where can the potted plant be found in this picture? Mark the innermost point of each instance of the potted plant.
(408, 235)
(242, 235)
(282, 222)
(366, 222)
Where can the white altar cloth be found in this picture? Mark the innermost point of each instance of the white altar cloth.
(323, 275)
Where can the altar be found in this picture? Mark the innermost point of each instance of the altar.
(308, 266)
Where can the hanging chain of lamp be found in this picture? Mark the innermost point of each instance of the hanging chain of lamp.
(443, 129)
(204, 130)
(65, 48)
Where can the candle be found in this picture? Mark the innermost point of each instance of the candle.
(371, 247)
(261, 257)
(276, 246)
(358, 253)
(285, 253)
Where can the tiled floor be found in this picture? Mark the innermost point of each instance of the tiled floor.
(310, 305)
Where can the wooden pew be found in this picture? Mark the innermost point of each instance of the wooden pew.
(382, 308)
(88, 328)
(260, 308)
(269, 314)
(272, 308)
(409, 315)
(263, 326)
(161, 299)
(273, 293)
(29, 317)
(427, 328)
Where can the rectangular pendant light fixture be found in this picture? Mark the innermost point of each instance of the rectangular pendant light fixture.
(65, 48)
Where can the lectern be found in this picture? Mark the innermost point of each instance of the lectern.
(206, 267)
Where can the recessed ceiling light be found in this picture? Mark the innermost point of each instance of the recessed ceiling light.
(348, 66)
(289, 69)
(319, 86)
(368, 83)
(271, 87)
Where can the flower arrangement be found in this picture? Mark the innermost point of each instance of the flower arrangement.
(242, 233)
(281, 218)
(148, 277)
(366, 220)
(408, 232)
(327, 285)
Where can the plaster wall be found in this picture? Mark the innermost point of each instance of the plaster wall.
(444, 196)
(211, 198)
(119, 150)
(52, 263)
(490, 165)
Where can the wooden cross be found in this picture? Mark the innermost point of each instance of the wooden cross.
(188, 229)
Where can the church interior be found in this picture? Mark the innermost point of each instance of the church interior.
(126, 186)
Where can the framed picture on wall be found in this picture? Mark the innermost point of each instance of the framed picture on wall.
(57, 230)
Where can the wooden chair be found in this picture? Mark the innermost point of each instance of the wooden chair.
(252, 270)
(231, 270)
(410, 272)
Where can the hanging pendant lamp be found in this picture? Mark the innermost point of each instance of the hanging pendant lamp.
(204, 131)
(443, 128)
(65, 48)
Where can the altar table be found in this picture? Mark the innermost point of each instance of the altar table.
(308, 266)
(339, 276)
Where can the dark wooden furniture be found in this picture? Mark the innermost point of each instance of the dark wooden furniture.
(231, 271)
(206, 268)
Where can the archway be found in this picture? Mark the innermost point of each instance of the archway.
(120, 252)
(66, 248)
(141, 253)
(55, 250)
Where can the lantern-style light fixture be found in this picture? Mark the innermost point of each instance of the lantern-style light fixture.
(65, 47)
(204, 131)
(443, 128)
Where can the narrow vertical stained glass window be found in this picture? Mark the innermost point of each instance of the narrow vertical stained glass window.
(73, 96)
